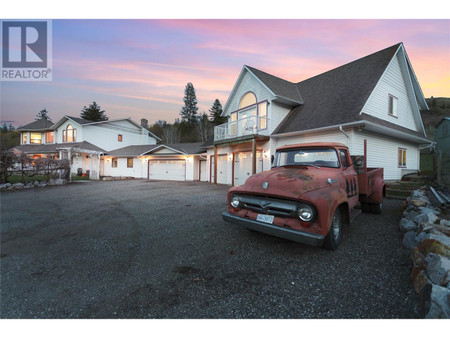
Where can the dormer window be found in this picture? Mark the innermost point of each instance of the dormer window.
(393, 105)
(69, 134)
(247, 99)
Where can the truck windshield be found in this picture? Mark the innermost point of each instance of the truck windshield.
(317, 157)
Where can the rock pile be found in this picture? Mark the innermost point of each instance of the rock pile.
(426, 232)
(29, 185)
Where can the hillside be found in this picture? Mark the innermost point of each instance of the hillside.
(439, 108)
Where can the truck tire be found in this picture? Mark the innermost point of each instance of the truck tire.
(334, 236)
(376, 208)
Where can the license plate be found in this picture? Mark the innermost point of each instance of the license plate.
(265, 218)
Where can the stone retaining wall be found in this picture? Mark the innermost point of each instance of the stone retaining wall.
(426, 232)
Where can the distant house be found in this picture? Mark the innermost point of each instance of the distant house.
(442, 136)
(116, 148)
(82, 141)
(377, 98)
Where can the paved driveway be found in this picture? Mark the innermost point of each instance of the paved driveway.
(137, 249)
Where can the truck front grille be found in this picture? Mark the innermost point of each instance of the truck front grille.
(264, 205)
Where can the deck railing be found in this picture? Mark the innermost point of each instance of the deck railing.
(252, 125)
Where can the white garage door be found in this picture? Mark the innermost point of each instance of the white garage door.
(170, 170)
(222, 169)
(203, 176)
(243, 166)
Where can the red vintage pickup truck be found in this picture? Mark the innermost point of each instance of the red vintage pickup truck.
(310, 192)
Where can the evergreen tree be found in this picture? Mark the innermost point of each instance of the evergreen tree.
(216, 113)
(189, 111)
(43, 114)
(93, 113)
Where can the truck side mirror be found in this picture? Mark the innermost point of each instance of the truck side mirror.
(357, 161)
(271, 159)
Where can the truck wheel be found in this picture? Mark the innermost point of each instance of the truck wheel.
(376, 208)
(334, 236)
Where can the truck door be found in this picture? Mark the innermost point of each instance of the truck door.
(349, 178)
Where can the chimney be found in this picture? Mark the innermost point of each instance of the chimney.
(144, 123)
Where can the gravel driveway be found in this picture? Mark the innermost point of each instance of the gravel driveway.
(139, 249)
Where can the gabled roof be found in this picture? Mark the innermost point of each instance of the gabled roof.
(279, 87)
(337, 97)
(39, 125)
(54, 148)
(137, 150)
(149, 149)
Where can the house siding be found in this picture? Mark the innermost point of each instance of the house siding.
(393, 82)
(247, 83)
(382, 151)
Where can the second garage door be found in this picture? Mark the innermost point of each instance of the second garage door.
(170, 170)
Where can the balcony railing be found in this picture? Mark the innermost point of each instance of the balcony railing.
(252, 125)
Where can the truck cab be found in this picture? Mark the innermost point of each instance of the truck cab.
(311, 190)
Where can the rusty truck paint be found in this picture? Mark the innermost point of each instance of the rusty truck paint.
(325, 189)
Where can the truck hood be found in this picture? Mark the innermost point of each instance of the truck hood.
(288, 182)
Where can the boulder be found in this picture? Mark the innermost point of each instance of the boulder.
(408, 225)
(425, 217)
(409, 240)
(417, 203)
(59, 181)
(439, 303)
(419, 279)
(18, 185)
(438, 269)
(51, 182)
(36, 183)
(438, 244)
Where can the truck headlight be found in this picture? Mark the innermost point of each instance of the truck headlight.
(305, 213)
(234, 201)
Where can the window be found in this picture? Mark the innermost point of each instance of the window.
(119, 137)
(49, 137)
(35, 138)
(262, 112)
(129, 162)
(393, 105)
(114, 162)
(247, 100)
(69, 134)
(24, 138)
(402, 157)
(344, 158)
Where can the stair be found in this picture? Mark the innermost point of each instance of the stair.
(402, 189)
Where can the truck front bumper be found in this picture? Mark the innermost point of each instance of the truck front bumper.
(273, 230)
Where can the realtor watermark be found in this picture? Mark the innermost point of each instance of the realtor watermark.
(26, 50)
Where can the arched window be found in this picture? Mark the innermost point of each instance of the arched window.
(247, 100)
(69, 134)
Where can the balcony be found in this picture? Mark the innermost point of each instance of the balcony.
(252, 125)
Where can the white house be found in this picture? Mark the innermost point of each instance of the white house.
(82, 141)
(377, 98)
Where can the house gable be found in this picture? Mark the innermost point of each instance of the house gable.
(397, 82)
(247, 82)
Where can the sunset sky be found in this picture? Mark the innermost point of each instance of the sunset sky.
(139, 68)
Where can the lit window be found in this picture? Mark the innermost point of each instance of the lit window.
(393, 105)
(119, 138)
(114, 162)
(262, 112)
(49, 137)
(130, 162)
(69, 134)
(402, 157)
(35, 138)
(247, 100)
(24, 138)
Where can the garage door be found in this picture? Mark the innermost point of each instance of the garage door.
(222, 169)
(203, 176)
(170, 170)
(243, 166)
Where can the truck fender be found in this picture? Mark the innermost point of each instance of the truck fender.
(378, 191)
(326, 201)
